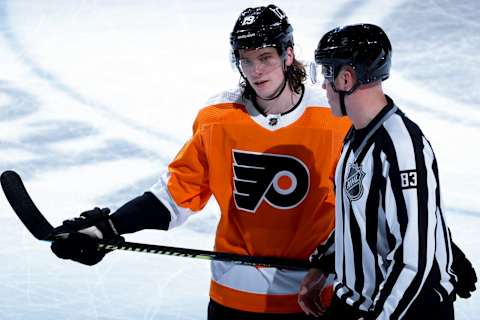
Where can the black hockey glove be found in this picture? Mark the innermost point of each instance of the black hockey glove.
(466, 276)
(76, 239)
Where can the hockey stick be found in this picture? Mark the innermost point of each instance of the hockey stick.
(20, 201)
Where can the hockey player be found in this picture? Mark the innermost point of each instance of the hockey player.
(267, 152)
(393, 251)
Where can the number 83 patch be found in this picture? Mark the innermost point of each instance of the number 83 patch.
(408, 179)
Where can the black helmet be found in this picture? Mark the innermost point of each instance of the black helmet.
(261, 27)
(365, 47)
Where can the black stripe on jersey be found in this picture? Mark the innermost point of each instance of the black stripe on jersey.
(346, 295)
(422, 216)
(357, 255)
(344, 165)
(402, 218)
(445, 231)
(374, 202)
(446, 235)
(324, 256)
(325, 248)
(433, 278)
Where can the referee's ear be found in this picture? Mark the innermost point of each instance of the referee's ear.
(346, 78)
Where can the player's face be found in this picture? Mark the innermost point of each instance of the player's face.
(263, 69)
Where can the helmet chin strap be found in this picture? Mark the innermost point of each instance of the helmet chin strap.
(343, 108)
(342, 94)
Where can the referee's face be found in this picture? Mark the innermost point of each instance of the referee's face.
(332, 97)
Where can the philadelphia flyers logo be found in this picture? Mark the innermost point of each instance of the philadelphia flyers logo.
(282, 181)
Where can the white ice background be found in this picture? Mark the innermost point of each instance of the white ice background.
(97, 96)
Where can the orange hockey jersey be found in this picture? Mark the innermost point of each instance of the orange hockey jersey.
(272, 176)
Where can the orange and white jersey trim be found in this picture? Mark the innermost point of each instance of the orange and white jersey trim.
(178, 215)
(256, 280)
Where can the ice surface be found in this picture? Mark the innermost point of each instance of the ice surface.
(97, 96)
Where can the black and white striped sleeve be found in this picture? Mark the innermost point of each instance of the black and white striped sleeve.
(324, 256)
(411, 206)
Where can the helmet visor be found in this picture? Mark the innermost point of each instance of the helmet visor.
(264, 63)
(326, 70)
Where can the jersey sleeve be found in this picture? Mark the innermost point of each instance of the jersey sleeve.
(412, 219)
(184, 187)
(324, 256)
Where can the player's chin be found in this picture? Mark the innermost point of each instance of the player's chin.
(265, 94)
(262, 88)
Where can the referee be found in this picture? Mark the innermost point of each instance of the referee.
(393, 252)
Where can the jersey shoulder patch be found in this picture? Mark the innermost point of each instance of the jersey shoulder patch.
(223, 107)
(227, 96)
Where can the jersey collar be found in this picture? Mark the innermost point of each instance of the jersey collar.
(273, 122)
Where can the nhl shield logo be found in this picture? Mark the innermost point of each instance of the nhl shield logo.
(353, 184)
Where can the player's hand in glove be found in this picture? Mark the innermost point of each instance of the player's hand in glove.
(466, 276)
(76, 239)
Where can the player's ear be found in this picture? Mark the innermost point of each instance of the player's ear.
(289, 56)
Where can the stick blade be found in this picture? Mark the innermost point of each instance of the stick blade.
(20, 201)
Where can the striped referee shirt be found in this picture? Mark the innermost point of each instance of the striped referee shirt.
(391, 237)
